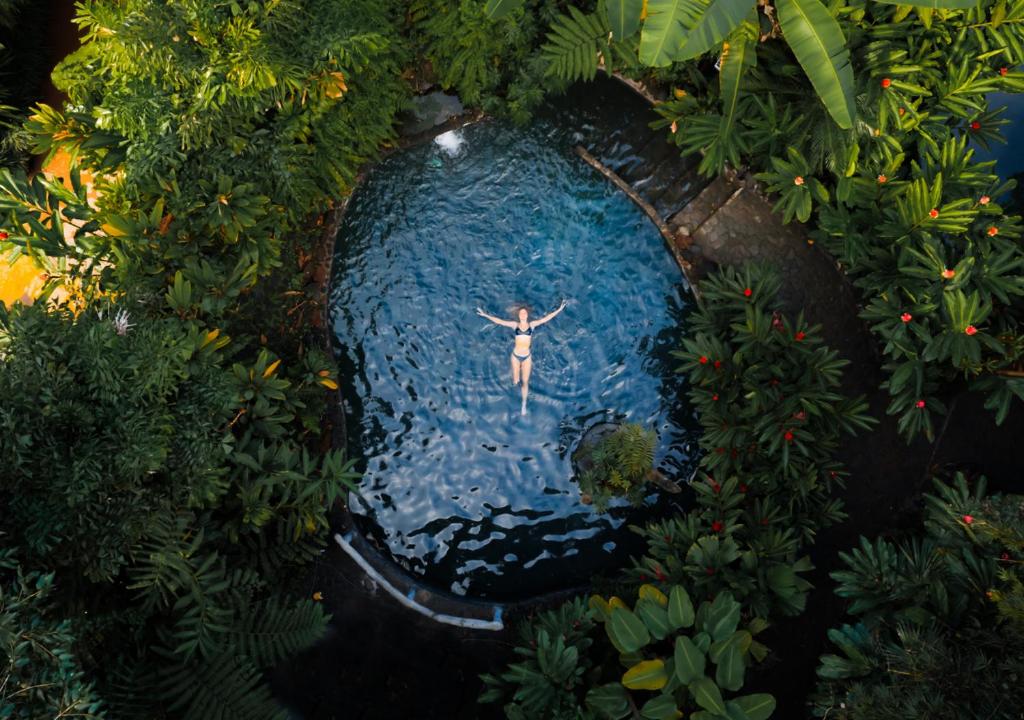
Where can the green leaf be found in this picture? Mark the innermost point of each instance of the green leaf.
(680, 608)
(665, 29)
(715, 24)
(627, 630)
(707, 695)
(723, 617)
(730, 669)
(818, 43)
(497, 9)
(655, 618)
(610, 701)
(759, 706)
(741, 53)
(935, 4)
(647, 675)
(689, 660)
(623, 16)
(662, 707)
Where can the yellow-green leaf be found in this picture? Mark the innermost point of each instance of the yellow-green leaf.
(648, 675)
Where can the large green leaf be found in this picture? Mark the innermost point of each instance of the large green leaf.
(818, 43)
(730, 669)
(689, 660)
(623, 16)
(665, 28)
(936, 4)
(741, 54)
(627, 630)
(707, 695)
(719, 19)
(661, 707)
(610, 701)
(655, 618)
(723, 617)
(680, 608)
(759, 706)
(497, 9)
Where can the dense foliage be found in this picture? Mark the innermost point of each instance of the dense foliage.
(667, 646)
(765, 388)
(766, 391)
(939, 617)
(618, 464)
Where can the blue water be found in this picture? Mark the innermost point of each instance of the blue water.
(460, 487)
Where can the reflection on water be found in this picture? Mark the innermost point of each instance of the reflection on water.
(459, 486)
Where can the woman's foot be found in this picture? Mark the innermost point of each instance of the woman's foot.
(522, 410)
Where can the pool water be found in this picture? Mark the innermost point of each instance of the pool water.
(460, 487)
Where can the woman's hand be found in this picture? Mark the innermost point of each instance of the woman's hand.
(564, 303)
(480, 312)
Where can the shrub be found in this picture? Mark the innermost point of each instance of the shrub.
(766, 392)
(618, 464)
(939, 622)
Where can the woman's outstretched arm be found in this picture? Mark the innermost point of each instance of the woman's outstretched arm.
(496, 321)
(550, 315)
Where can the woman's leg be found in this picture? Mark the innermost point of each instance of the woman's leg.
(515, 370)
(527, 366)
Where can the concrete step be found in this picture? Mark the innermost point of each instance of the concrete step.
(704, 205)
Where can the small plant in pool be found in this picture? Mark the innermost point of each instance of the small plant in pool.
(618, 462)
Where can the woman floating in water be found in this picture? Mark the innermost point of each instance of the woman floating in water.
(521, 362)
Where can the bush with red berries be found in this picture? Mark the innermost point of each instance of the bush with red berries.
(766, 389)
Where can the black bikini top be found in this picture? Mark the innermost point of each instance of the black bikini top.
(527, 331)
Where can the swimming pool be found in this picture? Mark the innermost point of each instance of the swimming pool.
(458, 486)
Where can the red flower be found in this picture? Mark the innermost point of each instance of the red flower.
(3, 235)
(642, 576)
(799, 336)
(710, 571)
(933, 213)
(992, 231)
(948, 274)
(716, 488)
(773, 382)
(902, 112)
(919, 404)
(984, 200)
(975, 125)
(703, 360)
(788, 436)
(1002, 72)
(717, 526)
(882, 179)
(886, 82)
(720, 450)
(1004, 556)
(968, 519)
(798, 180)
(970, 330)
(832, 473)
(906, 317)
(714, 397)
(801, 415)
(747, 292)
(743, 488)
(718, 364)
(667, 538)
(764, 521)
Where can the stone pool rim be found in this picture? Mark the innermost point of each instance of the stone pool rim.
(381, 566)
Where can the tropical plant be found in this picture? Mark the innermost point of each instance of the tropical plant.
(945, 605)
(40, 676)
(766, 391)
(214, 130)
(169, 493)
(618, 464)
(666, 646)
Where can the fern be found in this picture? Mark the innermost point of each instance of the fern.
(274, 629)
(227, 686)
(575, 45)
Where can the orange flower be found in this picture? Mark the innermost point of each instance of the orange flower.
(984, 200)
(674, 126)
(992, 231)
(798, 180)
(948, 274)
(886, 82)
(882, 179)
(933, 213)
